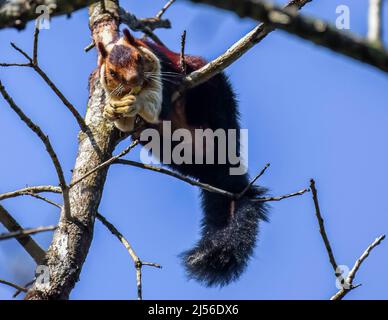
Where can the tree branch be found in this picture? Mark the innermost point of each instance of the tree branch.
(146, 25)
(27, 190)
(346, 283)
(16, 14)
(207, 187)
(106, 163)
(375, 28)
(314, 30)
(33, 63)
(138, 263)
(322, 229)
(72, 239)
(29, 244)
(46, 141)
(13, 285)
(349, 280)
(164, 9)
(23, 232)
(234, 52)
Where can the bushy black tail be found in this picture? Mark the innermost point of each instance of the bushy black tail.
(228, 237)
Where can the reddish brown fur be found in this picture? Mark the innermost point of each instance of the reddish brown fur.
(125, 65)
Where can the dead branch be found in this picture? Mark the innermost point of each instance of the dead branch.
(349, 280)
(164, 9)
(31, 247)
(280, 198)
(13, 285)
(242, 193)
(33, 63)
(147, 25)
(176, 175)
(16, 14)
(314, 30)
(46, 141)
(24, 232)
(27, 190)
(207, 187)
(322, 229)
(346, 283)
(106, 163)
(138, 263)
(234, 52)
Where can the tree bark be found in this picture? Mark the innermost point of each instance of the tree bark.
(72, 239)
(16, 13)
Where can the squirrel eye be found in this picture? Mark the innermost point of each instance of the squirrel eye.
(113, 73)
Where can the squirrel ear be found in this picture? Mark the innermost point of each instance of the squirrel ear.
(102, 50)
(129, 37)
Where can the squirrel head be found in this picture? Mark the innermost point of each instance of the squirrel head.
(126, 64)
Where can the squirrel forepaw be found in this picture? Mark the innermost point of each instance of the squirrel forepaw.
(125, 107)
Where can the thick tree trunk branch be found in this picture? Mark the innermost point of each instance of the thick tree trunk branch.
(314, 30)
(72, 238)
(16, 14)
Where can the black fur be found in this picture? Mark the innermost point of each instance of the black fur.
(227, 237)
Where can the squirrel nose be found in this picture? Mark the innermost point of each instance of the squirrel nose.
(133, 78)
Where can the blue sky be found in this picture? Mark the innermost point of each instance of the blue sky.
(309, 112)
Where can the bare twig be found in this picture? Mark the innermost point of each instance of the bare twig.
(32, 248)
(175, 175)
(146, 26)
(374, 22)
(349, 280)
(15, 65)
(106, 163)
(27, 190)
(138, 263)
(205, 186)
(183, 59)
(46, 141)
(13, 285)
(33, 63)
(242, 193)
(89, 47)
(24, 232)
(347, 284)
(164, 9)
(18, 291)
(35, 52)
(139, 24)
(37, 196)
(322, 229)
(286, 196)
